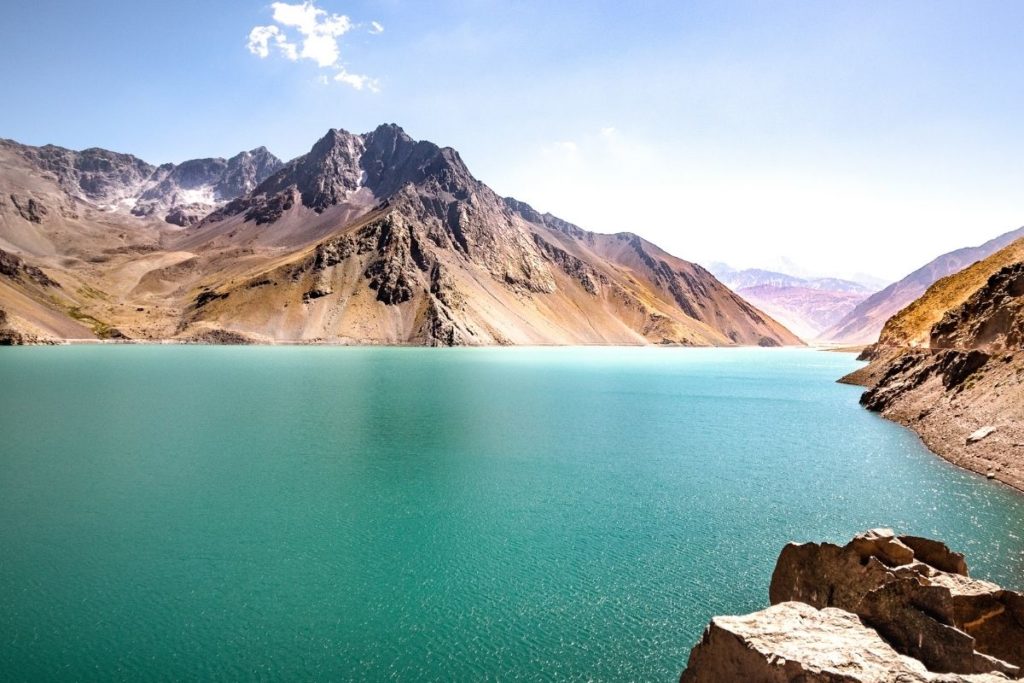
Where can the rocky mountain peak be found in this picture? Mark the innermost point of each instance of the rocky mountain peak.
(94, 174)
(393, 159)
(384, 161)
(327, 175)
(245, 171)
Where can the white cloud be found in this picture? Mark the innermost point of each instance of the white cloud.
(357, 81)
(322, 49)
(260, 38)
(318, 38)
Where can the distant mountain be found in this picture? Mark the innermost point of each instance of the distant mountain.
(863, 324)
(758, 277)
(180, 193)
(806, 306)
(373, 238)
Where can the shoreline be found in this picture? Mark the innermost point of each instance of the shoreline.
(946, 420)
(364, 344)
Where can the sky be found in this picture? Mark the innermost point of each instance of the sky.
(823, 137)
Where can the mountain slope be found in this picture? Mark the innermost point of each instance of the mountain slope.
(912, 326)
(374, 238)
(806, 306)
(864, 323)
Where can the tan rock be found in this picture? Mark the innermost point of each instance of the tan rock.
(792, 641)
(916, 593)
(881, 608)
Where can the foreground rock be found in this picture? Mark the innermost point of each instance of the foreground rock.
(793, 641)
(881, 608)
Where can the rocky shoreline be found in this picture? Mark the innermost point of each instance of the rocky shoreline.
(881, 608)
(966, 408)
(962, 389)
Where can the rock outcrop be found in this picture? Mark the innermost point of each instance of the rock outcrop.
(881, 608)
(792, 642)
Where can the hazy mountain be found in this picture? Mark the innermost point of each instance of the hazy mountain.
(864, 323)
(374, 238)
(807, 306)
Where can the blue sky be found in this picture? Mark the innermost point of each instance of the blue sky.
(843, 136)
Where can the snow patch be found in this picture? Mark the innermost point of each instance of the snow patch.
(199, 195)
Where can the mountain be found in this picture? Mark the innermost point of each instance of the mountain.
(186, 193)
(180, 193)
(374, 238)
(951, 366)
(807, 306)
(863, 324)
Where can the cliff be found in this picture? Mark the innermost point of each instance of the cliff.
(881, 608)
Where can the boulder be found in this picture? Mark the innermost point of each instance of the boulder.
(792, 641)
(916, 592)
(882, 607)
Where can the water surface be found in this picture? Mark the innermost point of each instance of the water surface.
(347, 513)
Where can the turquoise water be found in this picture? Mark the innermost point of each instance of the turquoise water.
(312, 513)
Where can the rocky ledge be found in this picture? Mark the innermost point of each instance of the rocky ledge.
(881, 608)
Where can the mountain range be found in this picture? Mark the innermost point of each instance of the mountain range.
(805, 305)
(375, 238)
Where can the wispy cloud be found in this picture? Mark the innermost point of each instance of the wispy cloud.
(305, 31)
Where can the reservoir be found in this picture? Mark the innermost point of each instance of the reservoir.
(325, 513)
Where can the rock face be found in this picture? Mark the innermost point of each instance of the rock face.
(864, 323)
(881, 608)
(991, 320)
(14, 268)
(375, 239)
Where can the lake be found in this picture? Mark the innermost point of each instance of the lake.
(319, 513)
